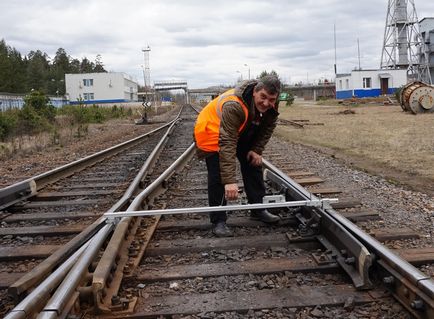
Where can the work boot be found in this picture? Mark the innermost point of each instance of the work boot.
(220, 229)
(264, 216)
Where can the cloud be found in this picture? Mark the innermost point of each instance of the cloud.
(204, 42)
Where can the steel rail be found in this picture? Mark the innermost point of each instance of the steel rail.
(40, 294)
(411, 287)
(60, 299)
(29, 187)
(144, 199)
(56, 305)
(107, 261)
(37, 274)
(41, 271)
(63, 294)
(333, 231)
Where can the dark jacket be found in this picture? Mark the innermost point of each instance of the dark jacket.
(254, 136)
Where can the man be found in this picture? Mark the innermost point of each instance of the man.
(237, 124)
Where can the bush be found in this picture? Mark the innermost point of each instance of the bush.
(41, 104)
(8, 121)
(93, 114)
(31, 122)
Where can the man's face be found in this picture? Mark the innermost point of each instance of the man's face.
(264, 100)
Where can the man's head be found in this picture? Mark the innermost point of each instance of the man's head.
(266, 92)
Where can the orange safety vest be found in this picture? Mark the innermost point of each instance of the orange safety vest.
(206, 129)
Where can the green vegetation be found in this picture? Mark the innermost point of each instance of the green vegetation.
(272, 72)
(82, 114)
(39, 72)
(39, 115)
(8, 122)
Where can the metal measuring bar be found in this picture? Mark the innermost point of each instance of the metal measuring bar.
(269, 202)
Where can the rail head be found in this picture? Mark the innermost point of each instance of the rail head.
(412, 288)
(23, 190)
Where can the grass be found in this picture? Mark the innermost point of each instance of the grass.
(382, 134)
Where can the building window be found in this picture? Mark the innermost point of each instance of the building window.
(88, 96)
(88, 82)
(347, 84)
(367, 83)
(340, 84)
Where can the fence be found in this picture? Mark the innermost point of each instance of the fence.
(16, 101)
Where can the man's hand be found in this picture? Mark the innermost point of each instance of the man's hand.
(254, 158)
(231, 191)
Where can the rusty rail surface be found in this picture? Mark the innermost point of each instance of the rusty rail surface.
(42, 270)
(346, 246)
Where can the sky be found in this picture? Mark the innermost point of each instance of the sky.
(206, 43)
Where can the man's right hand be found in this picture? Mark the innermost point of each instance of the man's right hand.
(231, 191)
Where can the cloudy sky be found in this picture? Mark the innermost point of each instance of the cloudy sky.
(205, 42)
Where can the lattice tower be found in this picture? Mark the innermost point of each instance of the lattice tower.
(403, 46)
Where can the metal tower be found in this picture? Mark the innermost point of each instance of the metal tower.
(402, 45)
(147, 70)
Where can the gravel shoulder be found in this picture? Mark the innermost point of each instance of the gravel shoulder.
(378, 139)
(23, 165)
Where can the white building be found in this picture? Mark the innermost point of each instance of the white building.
(93, 88)
(427, 33)
(369, 83)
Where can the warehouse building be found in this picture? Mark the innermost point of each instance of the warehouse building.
(369, 83)
(95, 88)
(427, 32)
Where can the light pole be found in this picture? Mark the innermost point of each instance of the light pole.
(248, 68)
(240, 78)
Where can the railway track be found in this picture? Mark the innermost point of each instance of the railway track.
(314, 264)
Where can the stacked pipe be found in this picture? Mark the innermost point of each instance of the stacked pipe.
(417, 97)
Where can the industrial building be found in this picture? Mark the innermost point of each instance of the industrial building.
(93, 88)
(369, 83)
(426, 26)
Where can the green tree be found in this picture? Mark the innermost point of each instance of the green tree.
(21, 74)
(74, 66)
(11, 69)
(265, 73)
(18, 78)
(61, 66)
(86, 66)
(38, 71)
(5, 68)
(99, 66)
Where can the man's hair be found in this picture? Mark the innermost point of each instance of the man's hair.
(270, 83)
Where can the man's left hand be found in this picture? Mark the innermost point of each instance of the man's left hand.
(254, 158)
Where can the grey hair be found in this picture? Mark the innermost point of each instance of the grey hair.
(270, 83)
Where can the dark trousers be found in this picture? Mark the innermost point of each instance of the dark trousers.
(252, 178)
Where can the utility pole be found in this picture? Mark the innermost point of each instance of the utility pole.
(334, 38)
